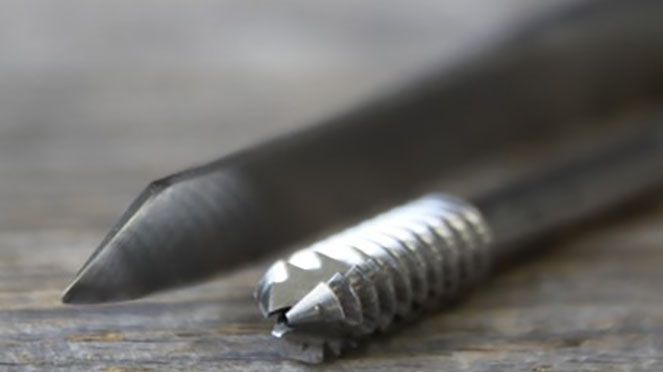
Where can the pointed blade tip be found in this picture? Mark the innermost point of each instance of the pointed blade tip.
(67, 298)
(81, 295)
(76, 294)
(86, 289)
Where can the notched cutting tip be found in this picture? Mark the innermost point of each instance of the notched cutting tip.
(321, 305)
(306, 347)
(286, 283)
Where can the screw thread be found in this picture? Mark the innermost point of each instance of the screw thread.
(417, 256)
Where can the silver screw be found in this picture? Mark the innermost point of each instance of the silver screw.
(412, 258)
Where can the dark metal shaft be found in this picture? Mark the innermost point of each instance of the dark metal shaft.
(599, 179)
(549, 74)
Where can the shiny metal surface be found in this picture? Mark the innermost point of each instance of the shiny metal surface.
(546, 76)
(362, 280)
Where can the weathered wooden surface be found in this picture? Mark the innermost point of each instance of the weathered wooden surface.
(96, 100)
(592, 304)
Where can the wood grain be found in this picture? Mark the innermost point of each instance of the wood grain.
(98, 99)
(593, 304)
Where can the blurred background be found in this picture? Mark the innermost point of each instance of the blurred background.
(97, 98)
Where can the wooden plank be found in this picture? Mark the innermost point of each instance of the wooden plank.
(592, 303)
